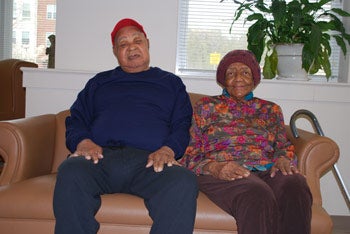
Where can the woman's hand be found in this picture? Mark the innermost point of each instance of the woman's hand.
(284, 165)
(226, 170)
(89, 150)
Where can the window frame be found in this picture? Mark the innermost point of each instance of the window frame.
(25, 38)
(26, 12)
(51, 12)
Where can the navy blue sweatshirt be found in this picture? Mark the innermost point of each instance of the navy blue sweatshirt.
(145, 110)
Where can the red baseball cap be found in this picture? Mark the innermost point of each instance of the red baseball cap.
(124, 23)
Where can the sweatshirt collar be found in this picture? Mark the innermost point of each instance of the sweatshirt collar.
(247, 97)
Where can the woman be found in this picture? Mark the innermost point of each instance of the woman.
(244, 162)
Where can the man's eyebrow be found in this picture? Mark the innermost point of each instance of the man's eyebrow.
(136, 34)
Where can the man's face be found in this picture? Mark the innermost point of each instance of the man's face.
(239, 80)
(131, 48)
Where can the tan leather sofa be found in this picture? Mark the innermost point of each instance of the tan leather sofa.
(34, 147)
(12, 93)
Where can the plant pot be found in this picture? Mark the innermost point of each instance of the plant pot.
(289, 65)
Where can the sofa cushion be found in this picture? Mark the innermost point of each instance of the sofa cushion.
(32, 199)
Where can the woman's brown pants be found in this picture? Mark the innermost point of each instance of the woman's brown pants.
(261, 204)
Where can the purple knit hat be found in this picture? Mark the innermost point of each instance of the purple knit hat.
(243, 56)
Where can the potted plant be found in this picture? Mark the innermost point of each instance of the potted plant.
(288, 22)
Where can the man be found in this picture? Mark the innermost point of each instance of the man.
(127, 128)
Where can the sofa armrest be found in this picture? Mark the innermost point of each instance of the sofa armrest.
(316, 155)
(27, 147)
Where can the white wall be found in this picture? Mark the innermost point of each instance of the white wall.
(83, 31)
(83, 44)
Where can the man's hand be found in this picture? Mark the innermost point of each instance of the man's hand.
(164, 155)
(284, 165)
(89, 150)
(226, 170)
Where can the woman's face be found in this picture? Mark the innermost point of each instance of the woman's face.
(239, 80)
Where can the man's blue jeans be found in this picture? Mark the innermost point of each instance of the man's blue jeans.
(170, 195)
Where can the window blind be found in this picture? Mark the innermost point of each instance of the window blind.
(204, 36)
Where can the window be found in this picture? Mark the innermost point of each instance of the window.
(51, 12)
(204, 36)
(14, 39)
(15, 11)
(25, 38)
(26, 10)
(25, 24)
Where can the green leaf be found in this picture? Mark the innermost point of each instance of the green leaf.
(341, 43)
(278, 10)
(255, 16)
(256, 40)
(315, 40)
(347, 37)
(341, 12)
(325, 44)
(307, 57)
(326, 65)
(326, 26)
(261, 6)
(270, 65)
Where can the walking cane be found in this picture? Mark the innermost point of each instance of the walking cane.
(319, 131)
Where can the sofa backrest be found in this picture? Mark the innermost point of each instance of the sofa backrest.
(12, 92)
(61, 151)
(195, 97)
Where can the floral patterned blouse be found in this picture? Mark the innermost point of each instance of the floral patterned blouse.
(250, 132)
